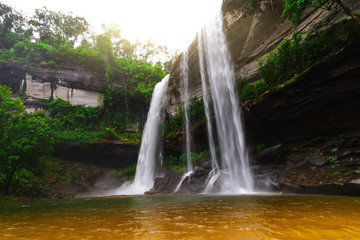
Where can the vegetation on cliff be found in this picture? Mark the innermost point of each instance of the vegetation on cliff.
(296, 55)
(57, 40)
(62, 41)
(294, 9)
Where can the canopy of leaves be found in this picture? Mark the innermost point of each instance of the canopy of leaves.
(24, 138)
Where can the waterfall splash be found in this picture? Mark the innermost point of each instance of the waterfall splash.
(232, 175)
(151, 147)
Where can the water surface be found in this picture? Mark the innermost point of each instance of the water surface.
(184, 217)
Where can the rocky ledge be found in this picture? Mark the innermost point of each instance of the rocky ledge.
(323, 165)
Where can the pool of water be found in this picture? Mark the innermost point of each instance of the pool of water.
(184, 217)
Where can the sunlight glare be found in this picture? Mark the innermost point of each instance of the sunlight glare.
(167, 22)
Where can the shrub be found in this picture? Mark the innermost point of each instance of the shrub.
(25, 137)
(247, 93)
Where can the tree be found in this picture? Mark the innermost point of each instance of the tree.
(294, 8)
(24, 138)
(12, 26)
(150, 49)
(124, 48)
(54, 26)
(168, 65)
(104, 48)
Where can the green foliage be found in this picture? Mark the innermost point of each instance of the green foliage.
(197, 110)
(74, 123)
(82, 136)
(281, 64)
(25, 178)
(247, 93)
(178, 164)
(294, 56)
(130, 137)
(333, 160)
(55, 26)
(130, 170)
(173, 124)
(293, 9)
(260, 147)
(107, 55)
(175, 92)
(12, 26)
(74, 117)
(260, 87)
(25, 137)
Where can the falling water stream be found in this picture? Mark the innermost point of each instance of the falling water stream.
(151, 145)
(184, 83)
(214, 174)
(231, 172)
(232, 175)
(184, 77)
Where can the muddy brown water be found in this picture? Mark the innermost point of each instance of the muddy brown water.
(184, 217)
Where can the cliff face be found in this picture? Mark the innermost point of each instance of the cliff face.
(305, 105)
(75, 77)
(74, 85)
(306, 132)
(323, 101)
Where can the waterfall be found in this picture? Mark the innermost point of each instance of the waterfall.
(151, 145)
(184, 77)
(184, 86)
(214, 174)
(232, 175)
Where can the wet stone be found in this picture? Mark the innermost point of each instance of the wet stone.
(296, 157)
(319, 160)
(357, 181)
(345, 154)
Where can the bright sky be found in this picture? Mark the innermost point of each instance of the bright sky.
(168, 22)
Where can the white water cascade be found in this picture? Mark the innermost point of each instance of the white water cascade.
(214, 174)
(231, 175)
(184, 77)
(184, 81)
(151, 145)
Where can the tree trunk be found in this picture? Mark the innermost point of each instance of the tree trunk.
(348, 11)
(126, 104)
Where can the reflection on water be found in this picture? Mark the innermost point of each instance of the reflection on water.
(184, 217)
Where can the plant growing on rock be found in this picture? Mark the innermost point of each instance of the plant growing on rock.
(295, 8)
(333, 160)
(294, 56)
